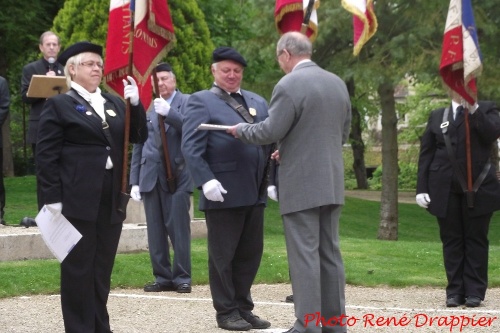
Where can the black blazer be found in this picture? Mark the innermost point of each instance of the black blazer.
(39, 67)
(435, 171)
(72, 150)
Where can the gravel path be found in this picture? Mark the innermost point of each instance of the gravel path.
(370, 310)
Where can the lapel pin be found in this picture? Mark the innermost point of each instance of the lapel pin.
(111, 113)
(253, 112)
(88, 113)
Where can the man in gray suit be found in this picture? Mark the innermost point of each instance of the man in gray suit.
(167, 210)
(230, 174)
(309, 117)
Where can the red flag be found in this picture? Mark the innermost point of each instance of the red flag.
(461, 58)
(364, 21)
(153, 34)
(289, 15)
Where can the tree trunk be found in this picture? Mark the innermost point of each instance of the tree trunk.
(8, 161)
(388, 227)
(357, 144)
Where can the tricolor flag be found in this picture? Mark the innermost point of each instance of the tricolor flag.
(364, 21)
(153, 34)
(461, 57)
(289, 15)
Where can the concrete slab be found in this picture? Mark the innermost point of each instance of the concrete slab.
(19, 243)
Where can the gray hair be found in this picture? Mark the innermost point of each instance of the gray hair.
(295, 43)
(49, 33)
(74, 60)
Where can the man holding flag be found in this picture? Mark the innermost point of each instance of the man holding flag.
(456, 181)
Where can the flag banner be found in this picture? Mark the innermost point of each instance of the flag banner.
(153, 38)
(364, 21)
(461, 57)
(289, 15)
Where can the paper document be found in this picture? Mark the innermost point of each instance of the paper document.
(213, 127)
(58, 233)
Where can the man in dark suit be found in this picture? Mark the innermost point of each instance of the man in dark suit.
(230, 174)
(167, 212)
(309, 108)
(440, 189)
(4, 112)
(49, 47)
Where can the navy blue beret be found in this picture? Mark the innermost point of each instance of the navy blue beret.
(77, 48)
(228, 53)
(163, 67)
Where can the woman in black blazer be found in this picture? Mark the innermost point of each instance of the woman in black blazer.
(79, 165)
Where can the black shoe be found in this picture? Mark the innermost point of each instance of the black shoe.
(255, 321)
(454, 301)
(2, 222)
(157, 287)
(183, 288)
(289, 299)
(292, 330)
(472, 302)
(28, 222)
(234, 323)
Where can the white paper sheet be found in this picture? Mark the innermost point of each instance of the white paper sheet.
(213, 127)
(58, 233)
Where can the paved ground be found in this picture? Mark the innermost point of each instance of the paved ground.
(388, 310)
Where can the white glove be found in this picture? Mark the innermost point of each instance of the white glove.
(135, 194)
(55, 208)
(423, 200)
(131, 91)
(213, 190)
(162, 107)
(272, 192)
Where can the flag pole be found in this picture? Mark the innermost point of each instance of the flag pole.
(170, 178)
(124, 196)
(307, 17)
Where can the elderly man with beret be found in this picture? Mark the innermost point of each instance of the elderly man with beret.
(230, 175)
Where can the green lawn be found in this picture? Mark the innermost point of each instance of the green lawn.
(414, 260)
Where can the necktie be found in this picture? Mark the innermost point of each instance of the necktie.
(460, 113)
(239, 99)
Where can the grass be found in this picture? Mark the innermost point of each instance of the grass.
(414, 260)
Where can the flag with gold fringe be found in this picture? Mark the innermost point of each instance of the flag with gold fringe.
(153, 38)
(364, 21)
(289, 15)
(461, 57)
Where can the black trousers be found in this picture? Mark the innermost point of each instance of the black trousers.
(86, 271)
(235, 246)
(465, 249)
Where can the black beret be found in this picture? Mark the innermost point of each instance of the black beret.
(228, 53)
(163, 67)
(77, 48)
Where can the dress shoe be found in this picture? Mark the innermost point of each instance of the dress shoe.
(2, 222)
(292, 330)
(289, 299)
(472, 302)
(234, 323)
(28, 222)
(454, 301)
(255, 321)
(157, 287)
(183, 288)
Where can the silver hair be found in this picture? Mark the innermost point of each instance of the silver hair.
(295, 43)
(74, 60)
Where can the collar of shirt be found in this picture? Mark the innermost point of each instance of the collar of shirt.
(301, 62)
(237, 92)
(95, 99)
(171, 98)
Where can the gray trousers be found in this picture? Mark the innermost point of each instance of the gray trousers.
(316, 268)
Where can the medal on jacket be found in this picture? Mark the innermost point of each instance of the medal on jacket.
(111, 113)
(252, 112)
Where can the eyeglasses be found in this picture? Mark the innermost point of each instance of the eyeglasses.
(91, 64)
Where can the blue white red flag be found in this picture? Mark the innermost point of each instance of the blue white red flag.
(364, 21)
(153, 37)
(289, 15)
(461, 58)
